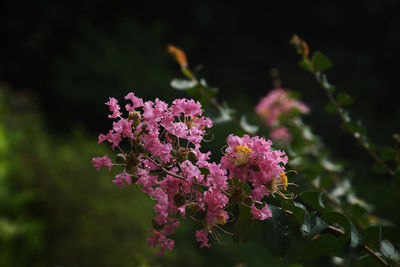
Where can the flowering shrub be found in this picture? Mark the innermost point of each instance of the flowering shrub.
(159, 147)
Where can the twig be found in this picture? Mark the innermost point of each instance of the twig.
(342, 116)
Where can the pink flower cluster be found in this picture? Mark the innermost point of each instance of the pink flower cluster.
(162, 153)
(253, 161)
(277, 103)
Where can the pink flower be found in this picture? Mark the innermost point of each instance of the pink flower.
(281, 134)
(119, 179)
(187, 107)
(123, 127)
(104, 161)
(278, 102)
(202, 237)
(262, 214)
(114, 108)
(136, 102)
(111, 137)
(162, 205)
(252, 160)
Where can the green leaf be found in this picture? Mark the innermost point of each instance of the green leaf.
(387, 248)
(356, 127)
(305, 64)
(316, 224)
(276, 232)
(377, 167)
(204, 171)
(368, 261)
(372, 236)
(245, 226)
(181, 84)
(298, 209)
(350, 230)
(388, 153)
(344, 99)
(321, 62)
(330, 108)
(320, 246)
(305, 227)
(314, 199)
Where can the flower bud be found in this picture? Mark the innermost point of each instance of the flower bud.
(192, 156)
(180, 199)
(120, 158)
(132, 159)
(135, 117)
(182, 154)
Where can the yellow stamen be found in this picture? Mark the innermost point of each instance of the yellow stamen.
(221, 219)
(284, 180)
(244, 149)
(242, 155)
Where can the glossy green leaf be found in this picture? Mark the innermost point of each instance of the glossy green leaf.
(276, 232)
(387, 248)
(245, 226)
(321, 62)
(316, 224)
(320, 246)
(314, 199)
(298, 209)
(349, 229)
(344, 99)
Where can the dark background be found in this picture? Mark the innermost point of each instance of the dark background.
(70, 57)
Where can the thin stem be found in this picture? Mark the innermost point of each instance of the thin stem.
(342, 116)
(339, 231)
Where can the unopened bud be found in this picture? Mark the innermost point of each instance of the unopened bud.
(180, 199)
(135, 117)
(182, 154)
(192, 156)
(132, 159)
(120, 158)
